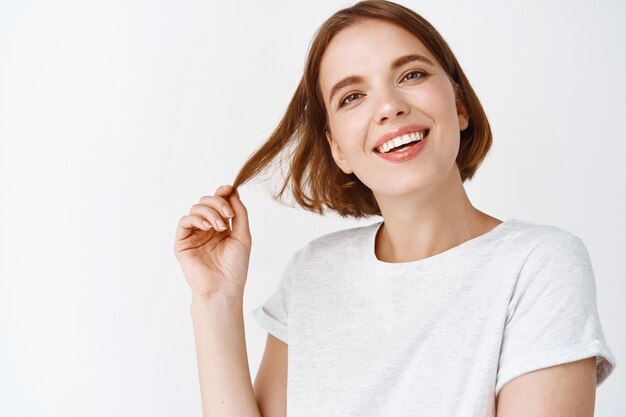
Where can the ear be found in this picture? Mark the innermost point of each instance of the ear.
(461, 111)
(463, 117)
(338, 155)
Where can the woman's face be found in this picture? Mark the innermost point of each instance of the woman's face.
(386, 98)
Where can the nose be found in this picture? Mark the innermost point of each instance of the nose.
(391, 106)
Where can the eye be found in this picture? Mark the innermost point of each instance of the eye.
(343, 101)
(422, 73)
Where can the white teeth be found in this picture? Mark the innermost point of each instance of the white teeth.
(400, 140)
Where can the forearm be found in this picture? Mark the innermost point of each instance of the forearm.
(225, 385)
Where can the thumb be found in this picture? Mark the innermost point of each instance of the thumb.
(241, 226)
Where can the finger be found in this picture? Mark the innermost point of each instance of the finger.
(208, 213)
(187, 223)
(241, 226)
(220, 204)
(224, 190)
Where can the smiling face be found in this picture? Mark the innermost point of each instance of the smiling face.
(389, 93)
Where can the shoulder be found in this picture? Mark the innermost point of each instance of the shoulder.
(538, 238)
(551, 251)
(340, 243)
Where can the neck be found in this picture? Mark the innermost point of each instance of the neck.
(432, 221)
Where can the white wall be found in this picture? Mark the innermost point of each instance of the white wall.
(117, 116)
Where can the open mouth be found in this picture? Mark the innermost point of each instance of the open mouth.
(401, 143)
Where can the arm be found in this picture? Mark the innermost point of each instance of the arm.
(270, 385)
(225, 384)
(566, 390)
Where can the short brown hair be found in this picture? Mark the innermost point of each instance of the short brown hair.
(316, 180)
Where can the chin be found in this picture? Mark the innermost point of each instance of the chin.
(406, 186)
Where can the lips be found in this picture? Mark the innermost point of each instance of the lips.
(406, 154)
(399, 132)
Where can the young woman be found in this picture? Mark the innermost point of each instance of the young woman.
(438, 310)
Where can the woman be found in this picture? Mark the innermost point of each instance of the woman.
(438, 310)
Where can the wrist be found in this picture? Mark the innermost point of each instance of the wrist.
(217, 298)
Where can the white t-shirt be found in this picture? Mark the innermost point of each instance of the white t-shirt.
(439, 336)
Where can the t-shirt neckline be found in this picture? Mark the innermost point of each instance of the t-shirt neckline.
(464, 246)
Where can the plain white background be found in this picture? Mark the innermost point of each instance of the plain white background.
(117, 116)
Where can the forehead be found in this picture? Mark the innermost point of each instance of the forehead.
(365, 47)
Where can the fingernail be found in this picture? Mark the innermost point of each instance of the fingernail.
(221, 224)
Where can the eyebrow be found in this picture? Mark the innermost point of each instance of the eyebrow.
(397, 63)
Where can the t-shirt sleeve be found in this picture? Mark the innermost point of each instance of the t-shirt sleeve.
(552, 317)
(273, 315)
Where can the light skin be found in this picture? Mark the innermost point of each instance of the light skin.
(423, 201)
(424, 196)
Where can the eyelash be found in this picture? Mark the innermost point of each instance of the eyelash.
(341, 103)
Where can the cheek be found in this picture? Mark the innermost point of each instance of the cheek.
(432, 103)
(435, 102)
(351, 128)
